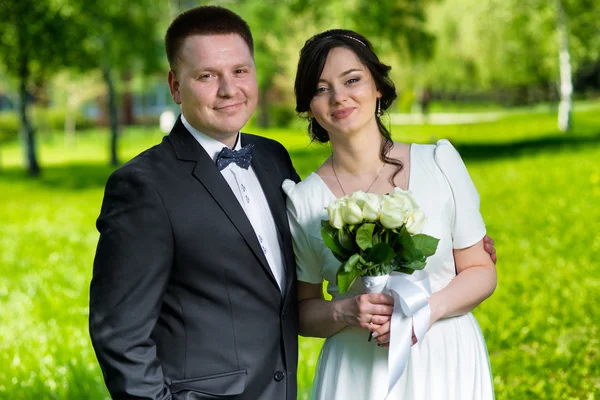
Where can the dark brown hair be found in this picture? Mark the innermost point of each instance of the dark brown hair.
(204, 20)
(310, 66)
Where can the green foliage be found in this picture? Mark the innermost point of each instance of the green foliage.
(9, 126)
(53, 118)
(539, 190)
(329, 235)
(426, 244)
(364, 236)
(126, 36)
(46, 119)
(509, 44)
(36, 35)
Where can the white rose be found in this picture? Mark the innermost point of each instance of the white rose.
(351, 212)
(370, 209)
(415, 222)
(405, 199)
(335, 215)
(392, 213)
(359, 197)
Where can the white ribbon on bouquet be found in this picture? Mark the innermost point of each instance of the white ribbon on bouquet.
(411, 309)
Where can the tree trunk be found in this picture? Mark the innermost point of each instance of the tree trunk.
(70, 118)
(112, 110)
(70, 127)
(566, 80)
(27, 131)
(127, 112)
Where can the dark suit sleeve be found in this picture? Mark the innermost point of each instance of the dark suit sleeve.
(131, 270)
(293, 175)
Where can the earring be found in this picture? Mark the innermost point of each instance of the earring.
(378, 108)
(310, 126)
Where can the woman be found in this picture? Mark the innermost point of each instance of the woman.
(344, 88)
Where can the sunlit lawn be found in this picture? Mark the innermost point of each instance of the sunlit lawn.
(540, 192)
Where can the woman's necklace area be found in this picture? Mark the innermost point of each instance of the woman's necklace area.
(340, 183)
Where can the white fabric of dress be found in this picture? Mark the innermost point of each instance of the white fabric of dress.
(451, 362)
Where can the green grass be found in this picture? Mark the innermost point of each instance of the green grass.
(539, 192)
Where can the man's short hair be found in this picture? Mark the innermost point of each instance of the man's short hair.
(204, 20)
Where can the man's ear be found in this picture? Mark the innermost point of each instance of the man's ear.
(174, 87)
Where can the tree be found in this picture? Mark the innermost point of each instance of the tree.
(35, 39)
(566, 74)
(527, 46)
(71, 91)
(281, 28)
(121, 37)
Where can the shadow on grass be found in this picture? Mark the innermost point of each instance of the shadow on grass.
(83, 176)
(309, 159)
(548, 144)
(69, 177)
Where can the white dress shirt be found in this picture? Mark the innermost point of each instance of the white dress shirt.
(247, 189)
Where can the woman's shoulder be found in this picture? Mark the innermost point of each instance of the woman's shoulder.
(440, 152)
(304, 188)
(308, 197)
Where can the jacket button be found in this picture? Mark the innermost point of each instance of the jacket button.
(279, 376)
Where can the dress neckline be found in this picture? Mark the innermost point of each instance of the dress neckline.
(410, 173)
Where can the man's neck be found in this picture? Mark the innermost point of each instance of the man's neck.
(229, 140)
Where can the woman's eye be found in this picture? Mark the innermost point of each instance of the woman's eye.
(353, 80)
(321, 89)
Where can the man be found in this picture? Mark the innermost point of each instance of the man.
(193, 292)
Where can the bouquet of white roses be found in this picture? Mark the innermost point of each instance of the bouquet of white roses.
(375, 235)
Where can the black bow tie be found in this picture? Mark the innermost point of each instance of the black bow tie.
(242, 157)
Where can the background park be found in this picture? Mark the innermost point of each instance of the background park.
(514, 84)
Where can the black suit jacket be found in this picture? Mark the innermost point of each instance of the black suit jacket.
(183, 304)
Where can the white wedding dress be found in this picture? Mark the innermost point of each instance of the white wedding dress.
(451, 362)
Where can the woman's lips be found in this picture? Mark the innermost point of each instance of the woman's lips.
(342, 113)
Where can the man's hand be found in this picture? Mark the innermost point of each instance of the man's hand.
(488, 245)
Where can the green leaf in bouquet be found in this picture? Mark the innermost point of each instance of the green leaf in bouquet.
(416, 264)
(402, 240)
(408, 271)
(426, 244)
(329, 235)
(346, 240)
(405, 248)
(352, 263)
(381, 253)
(345, 279)
(364, 236)
(390, 236)
(377, 238)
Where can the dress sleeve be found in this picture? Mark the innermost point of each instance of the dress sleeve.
(308, 264)
(468, 227)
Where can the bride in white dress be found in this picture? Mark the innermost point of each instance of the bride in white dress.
(343, 88)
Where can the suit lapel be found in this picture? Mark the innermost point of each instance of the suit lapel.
(188, 149)
(270, 182)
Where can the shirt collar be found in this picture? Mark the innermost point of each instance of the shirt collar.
(212, 146)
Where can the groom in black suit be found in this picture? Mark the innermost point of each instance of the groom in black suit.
(193, 293)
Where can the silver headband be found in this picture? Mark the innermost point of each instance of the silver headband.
(353, 38)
